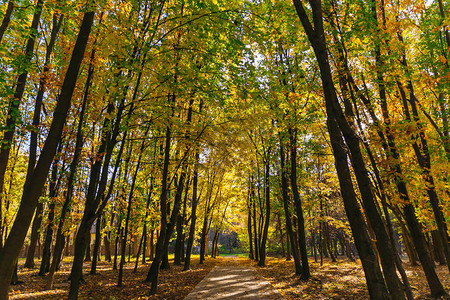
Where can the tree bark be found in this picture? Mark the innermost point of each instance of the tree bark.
(249, 225)
(45, 262)
(262, 251)
(116, 244)
(6, 18)
(29, 263)
(187, 260)
(298, 205)
(152, 275)
(97, 242)
(290, 232)
(130, 201)
(203, 237)
(255, 227)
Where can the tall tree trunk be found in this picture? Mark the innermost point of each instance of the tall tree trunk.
(152, 244)
(130, 201)
(262, 250)
(33, 186)
(203, 237)
(328, 242)
(313, 244)
(97, 242)
(298, 205)
(6, 18)
(255, 228)
(144, 230)
(288, 250)
(29, 263)
(249, 224)
(45, 262)
(179, 242)
(107, 242)
(437, 248)
(384, 245)
(116, 243)
(152, 275)
(290, 233)
(187, 260)
(87, 254)
(141, 241)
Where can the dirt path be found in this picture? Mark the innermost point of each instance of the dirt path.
(234, 282)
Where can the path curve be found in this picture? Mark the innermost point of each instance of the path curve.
(234, 282)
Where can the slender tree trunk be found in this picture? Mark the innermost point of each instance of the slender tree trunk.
(152, 275)
(203, 238)
(298, 205)
(389, 226)
(249, 226)
(107, 242)
(130, 200)
(6, 18)
(407, 240)
(213, 248)
(262, 254)
(97, 243)
(328, 242)
(152, 245)
(87, 255)
(313, 245)
(255, 220)
(29, 263)
(187, 260)
(45, 262)
(179, 243)
(288, 249)
(437, 248)
(116, 244)
(290, 233)
(141, 241)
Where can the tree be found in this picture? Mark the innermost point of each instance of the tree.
(34, 184)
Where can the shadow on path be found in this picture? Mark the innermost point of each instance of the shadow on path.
(234, 282)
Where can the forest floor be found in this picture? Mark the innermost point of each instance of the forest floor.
(172, 283)
(339, 280)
